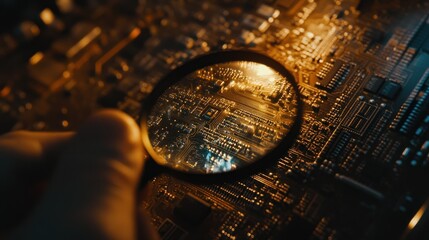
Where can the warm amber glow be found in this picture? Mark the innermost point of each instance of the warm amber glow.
(36, 58)
(65, 123)
(47, 16)
(263, 70)
(135, 33)
(65, 5)
(415, 220)
(66, 74)
(264, 75)
(84, 42)
(5, 91)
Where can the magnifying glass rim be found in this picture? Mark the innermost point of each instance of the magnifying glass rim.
(201, 62)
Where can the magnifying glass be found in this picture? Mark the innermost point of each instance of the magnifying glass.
(220, 116)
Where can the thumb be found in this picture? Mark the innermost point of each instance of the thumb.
(93, 191)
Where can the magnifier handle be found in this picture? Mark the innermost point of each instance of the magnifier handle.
(150, 171)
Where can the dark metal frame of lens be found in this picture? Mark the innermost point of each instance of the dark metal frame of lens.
(198, 63)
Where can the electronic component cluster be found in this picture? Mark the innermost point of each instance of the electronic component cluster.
(222, 117)
(358, 167)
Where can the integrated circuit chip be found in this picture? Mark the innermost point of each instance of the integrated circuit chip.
(192, 210)
(389, 90)
(210, 113)
(374, 84)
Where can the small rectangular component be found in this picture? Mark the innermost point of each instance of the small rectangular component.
(374, 84)
(209, 114)
(268, 12)
(254, 22)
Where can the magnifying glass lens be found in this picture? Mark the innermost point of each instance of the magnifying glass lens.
(222, 117)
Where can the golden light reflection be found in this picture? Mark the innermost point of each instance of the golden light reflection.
(262, 78)
(5, 91)
(36, 58)
(84, 42)
(417, 217)
(65, 123)
(263, 70)
(47, 16)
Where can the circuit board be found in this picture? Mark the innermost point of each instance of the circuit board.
(222, 117)
(360, 163)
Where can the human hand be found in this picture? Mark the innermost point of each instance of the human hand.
(92, 178)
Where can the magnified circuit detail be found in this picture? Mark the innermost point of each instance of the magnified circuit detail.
(222, 117)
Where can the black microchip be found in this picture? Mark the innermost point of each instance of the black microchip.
(192, 210)
(210, 113)
(374, 84)
(389, 90)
